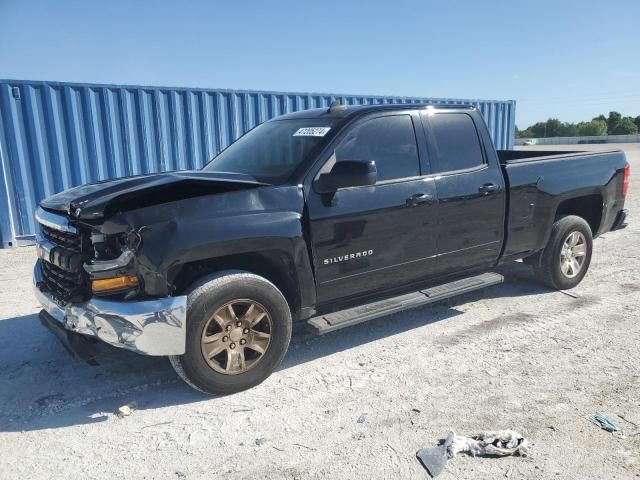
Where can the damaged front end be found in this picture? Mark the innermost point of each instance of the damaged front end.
(116, 257)
(88, 282)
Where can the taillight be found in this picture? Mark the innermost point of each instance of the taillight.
(625, 181)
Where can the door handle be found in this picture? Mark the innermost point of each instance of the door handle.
(419, 198)
(488, 188)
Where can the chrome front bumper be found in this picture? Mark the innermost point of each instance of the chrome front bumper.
(150, 327)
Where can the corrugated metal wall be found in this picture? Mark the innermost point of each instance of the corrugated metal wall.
(57, 135)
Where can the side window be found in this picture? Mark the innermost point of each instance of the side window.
(456, 141)
(389, 141)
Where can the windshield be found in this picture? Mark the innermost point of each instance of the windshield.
(272, 151)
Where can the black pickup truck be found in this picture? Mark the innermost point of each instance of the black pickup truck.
(330, 217)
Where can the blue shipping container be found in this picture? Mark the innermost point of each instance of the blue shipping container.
(54, 135)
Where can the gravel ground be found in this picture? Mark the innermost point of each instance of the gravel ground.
(354, 404)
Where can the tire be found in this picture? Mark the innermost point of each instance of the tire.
(551, 268)
(223, 373)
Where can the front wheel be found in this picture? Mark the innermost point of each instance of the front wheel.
(566, 258)
(238, 330)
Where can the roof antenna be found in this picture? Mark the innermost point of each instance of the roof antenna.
(336, 106)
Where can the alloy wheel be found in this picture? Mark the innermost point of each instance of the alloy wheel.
(573, 254)
(236, 337)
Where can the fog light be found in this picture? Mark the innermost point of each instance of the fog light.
(116, 284)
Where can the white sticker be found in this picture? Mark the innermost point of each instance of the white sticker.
(311, 132)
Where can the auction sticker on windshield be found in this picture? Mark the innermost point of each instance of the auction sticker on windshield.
(311, 132)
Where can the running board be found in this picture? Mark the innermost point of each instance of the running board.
(345, 318)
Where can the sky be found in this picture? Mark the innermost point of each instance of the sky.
(566, 59)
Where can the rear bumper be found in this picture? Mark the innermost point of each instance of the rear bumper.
(150, 327)
(620, 221)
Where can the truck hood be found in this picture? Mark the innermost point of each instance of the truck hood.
(102, 199)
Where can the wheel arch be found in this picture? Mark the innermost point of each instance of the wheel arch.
(589, 207)
(275, 265)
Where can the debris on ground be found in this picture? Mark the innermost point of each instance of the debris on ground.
(500, 443)
(569, 294)
(362, 418)
(634, 433)
(627, 420)
(434, 459)
(490, 443)
(603, 422)
(126, 410)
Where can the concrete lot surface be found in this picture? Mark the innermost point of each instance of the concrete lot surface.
(513, 356)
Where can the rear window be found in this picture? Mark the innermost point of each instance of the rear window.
(456, 140)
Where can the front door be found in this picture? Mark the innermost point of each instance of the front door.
(370, 238)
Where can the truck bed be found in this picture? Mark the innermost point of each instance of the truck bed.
(539, 181)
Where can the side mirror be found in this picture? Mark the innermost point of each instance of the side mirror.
(347, 173)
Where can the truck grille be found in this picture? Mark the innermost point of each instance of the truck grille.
(65, 286)
(62, 272)
(66, 240)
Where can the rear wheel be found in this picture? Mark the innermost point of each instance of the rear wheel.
(566, 258)
(238, 330)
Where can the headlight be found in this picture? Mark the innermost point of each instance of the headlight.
(120, 262)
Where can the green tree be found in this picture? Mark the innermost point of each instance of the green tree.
(614, 124)
(626, 126)
(612, 121)
(592, 128)
(554, 128)
(569, 130)
(518, 132)
(539, 129)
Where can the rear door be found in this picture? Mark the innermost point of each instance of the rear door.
(370, 238)
(470, 189)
